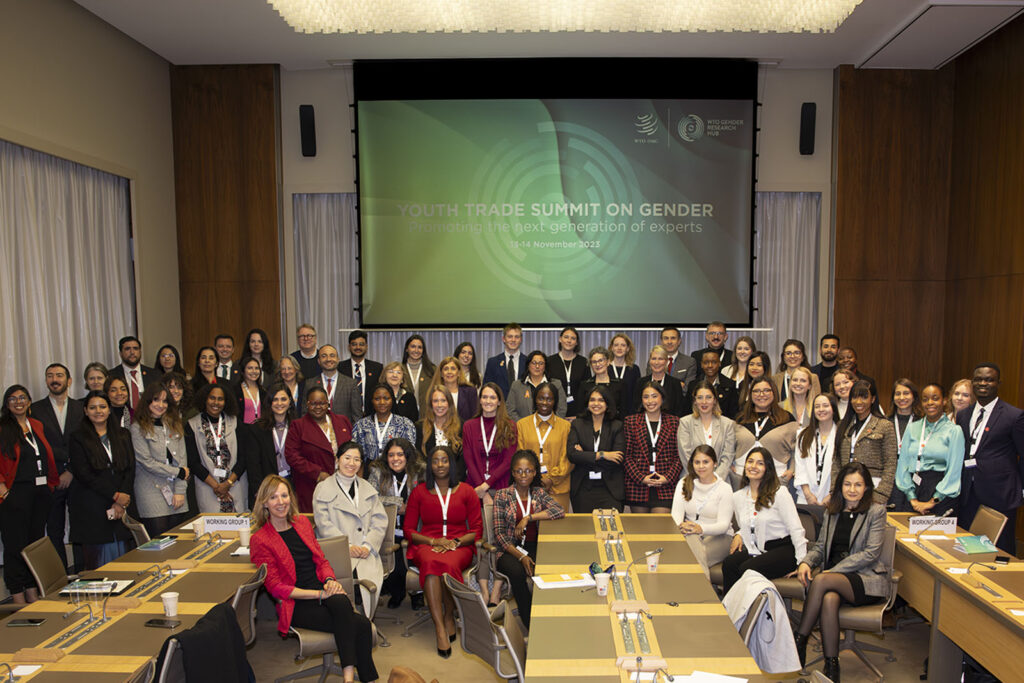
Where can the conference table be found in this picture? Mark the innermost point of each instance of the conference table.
(574, 635)
(971, 607)
(121, 648)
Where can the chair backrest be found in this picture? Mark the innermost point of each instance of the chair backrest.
(511, 635)
(747, 628)
(173, 669)
(488, 536)
(887, 557)
(810, 523)
(988, 522)
(818, 677)
(477, 635)
(43, 561)
(387, 559)
(336, 551)
(145, 674)
(137, 529)
(244, 604)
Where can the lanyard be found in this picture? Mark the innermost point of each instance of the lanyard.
(924, 441)
(617, 371)
(753, 522)
(415, 378)
(759, 427)
(255, 399)
(30, 439)
(700, 508)
(540, 440)
(853, 439)
(106, 446)
(525, 510)
(896, 424)
(444, 508)
(382, 432)
(597, 440)
(653, 433)
(218, 432)
(568, 374)
(488, 444)
(395, 486)
(279, 443)
(821, 451)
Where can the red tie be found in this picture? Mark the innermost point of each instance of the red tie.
(668, 370)
(135, 388)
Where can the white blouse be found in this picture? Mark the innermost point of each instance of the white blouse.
(807, 470)
(769, 524)
(710, 505)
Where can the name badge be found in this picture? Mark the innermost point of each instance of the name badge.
(543, 469)
(917, 479)
(40, 481)
(487, 475)
(167, 494)
(284, 473)
(522, 550)
(652, 469)
(399, 533)
(971, 462)
(595, 475)
(570, 398)
(220, 472)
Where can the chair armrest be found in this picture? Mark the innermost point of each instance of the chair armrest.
(366, 583)
(393, 548)
(896, 576)
(488, 547)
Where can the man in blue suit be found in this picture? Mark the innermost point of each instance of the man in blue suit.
(509, 365)
(993, 455)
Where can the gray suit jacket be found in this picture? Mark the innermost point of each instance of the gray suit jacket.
(865, 550)
(152, 472)
(723, 440)
(347, 400)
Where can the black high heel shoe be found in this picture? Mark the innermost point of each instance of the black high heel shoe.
(444, 654)
(452, 637)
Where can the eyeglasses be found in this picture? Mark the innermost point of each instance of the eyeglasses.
(307, 336)
(18, 399)
(351, 458)
(761, 392)
(716, 334)
(317, 404)
(790, 354)
(523, 472)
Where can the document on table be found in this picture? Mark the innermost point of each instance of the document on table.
(563, 581)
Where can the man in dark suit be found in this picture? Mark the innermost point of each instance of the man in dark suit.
(365, 372)
(725, 388)
(136, 375)
(828, 351)
(680, 366)
(224, 345)
(510, 364)
(342, 392)
(306, 355)
(60, 416)
(716, 335)
(993, 455)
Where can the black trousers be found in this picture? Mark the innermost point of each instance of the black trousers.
(23, 516)
(155, 526)
(777, 560)
(394, 582)
(352, 632)
(589, 498)
(519, 580)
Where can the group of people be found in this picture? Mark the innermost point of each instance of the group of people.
(715, 438)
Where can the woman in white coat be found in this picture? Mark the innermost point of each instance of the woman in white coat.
(346, 504)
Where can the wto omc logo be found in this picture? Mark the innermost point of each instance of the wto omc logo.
(646, 124)
(691, 128)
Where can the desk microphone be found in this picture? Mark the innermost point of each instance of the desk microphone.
(917, 537)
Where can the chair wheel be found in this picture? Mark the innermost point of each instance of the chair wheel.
(890, 658)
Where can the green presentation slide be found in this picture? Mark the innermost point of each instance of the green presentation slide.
(598, 212)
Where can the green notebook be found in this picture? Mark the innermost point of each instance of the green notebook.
(973, 545)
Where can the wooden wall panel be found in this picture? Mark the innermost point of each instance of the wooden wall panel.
(226, 123)
(892, 199)
(985, 289)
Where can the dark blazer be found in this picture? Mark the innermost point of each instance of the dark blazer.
(347, 400)
(92, 490)
(373, 371)
(726, 391)
(578, 372)
(581, 434)
(996, 480)
(149, 375)
(235, 372)
(495, 371)
(406, 407)
(468, 402)
(674, 401)
(59, 441)
(638, 454)
(256, 447)
(866, 540)
(309, 453)
(699, 353)
(630, 376)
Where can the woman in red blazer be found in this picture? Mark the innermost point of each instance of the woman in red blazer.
(27, 477)
(312, 445)
(652, 462)
(302, 581)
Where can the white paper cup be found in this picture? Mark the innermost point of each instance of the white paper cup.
(244, 534)
(602, 580)
(652, 562)
(170, 600)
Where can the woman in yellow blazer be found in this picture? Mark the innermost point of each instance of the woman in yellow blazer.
(546, 434)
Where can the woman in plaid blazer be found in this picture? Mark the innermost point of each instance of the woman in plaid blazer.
(652, 458)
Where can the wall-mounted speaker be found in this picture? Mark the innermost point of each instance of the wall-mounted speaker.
(307, 130)
(808, 112)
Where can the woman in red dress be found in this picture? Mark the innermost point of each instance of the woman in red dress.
(312, 445)
(442, 523)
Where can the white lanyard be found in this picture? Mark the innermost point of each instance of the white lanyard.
(525, 510)
(355, 490)
(30, 439)
(785, 383)
(332, 382)
(106, 447)
(381, 433)
(617, 371)
(255, 399)
(218, 432)
(753, 523)
(700, 508)
(568, 374)
(597, 440)
(821, 451)
(540, 440)
(759, 427)
(653, 433)
(415, 377)
(896, 424)
(924, 441)
(853, 439)
(395, 486)
(444, 508)
(279, 443)
(487, 446)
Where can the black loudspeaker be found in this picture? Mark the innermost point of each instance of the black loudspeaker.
(307, 130)
(808, 111)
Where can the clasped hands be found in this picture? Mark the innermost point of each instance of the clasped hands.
(654, 479)
(443, 545)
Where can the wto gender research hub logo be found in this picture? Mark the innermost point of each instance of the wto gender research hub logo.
(691, 128)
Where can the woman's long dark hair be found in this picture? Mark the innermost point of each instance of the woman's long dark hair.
(120, 442)
(836, 503)
(178, 367)
(266, 421)
(10, 430)
(769, 483)
(413, 461)
(806, 439)
(691, 474)
(428, 367)
(453, 473)
(860, 389)
(474, 373)
(230, 404)
(525, 454)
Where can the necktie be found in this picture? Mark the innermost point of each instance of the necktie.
(668, 370)
(510, 370)
(330, 401)
(224, 372)
(134, 389)
(977, 423)
(358, 375)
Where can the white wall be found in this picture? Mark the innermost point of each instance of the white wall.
(77, 88)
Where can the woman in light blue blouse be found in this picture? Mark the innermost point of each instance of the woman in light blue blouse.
(931, 458)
